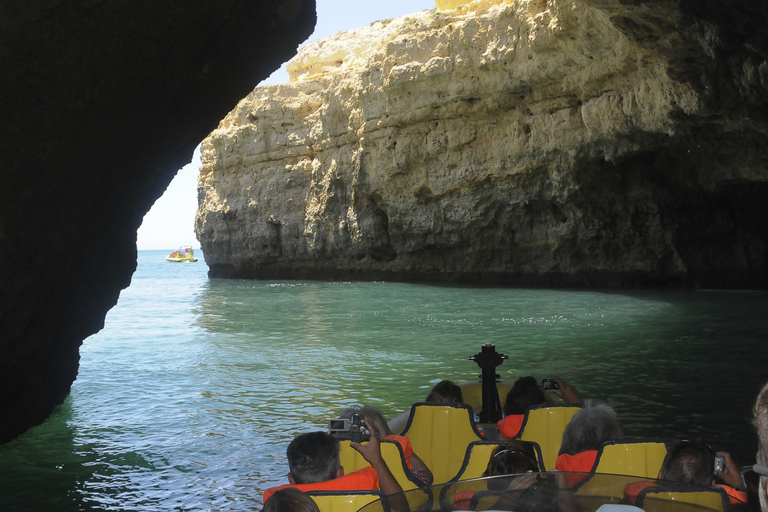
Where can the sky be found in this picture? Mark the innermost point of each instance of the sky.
(171, 221)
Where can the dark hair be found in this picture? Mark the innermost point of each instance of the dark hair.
(760, 412)
(524, 394)
(313, 457)
(589, 428)
(512, 458)
(290, 499)
(689, 462)
(445, 391)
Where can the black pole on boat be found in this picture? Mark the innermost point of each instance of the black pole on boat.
(488, 359)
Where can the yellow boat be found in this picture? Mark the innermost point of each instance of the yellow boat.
(183, 254)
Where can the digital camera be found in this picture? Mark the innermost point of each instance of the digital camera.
(719, 463)
(547, 384)
(354, 429)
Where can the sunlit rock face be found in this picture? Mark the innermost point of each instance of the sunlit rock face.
(536, 142)
(102, 102)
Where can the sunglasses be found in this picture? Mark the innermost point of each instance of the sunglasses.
(760, 469)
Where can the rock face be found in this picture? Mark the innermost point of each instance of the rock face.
(102, 103)
(537, 142)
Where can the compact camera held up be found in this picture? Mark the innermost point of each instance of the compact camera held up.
(354, 429)
(548, 384)
(719, 463)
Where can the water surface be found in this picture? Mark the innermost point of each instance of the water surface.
(188, 397)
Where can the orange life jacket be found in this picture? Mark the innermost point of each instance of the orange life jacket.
(633, 489)
(462, 499)
(582, 462)
(364, 479)
(510, 426)
(405, 443)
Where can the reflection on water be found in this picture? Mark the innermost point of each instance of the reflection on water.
(189, 396)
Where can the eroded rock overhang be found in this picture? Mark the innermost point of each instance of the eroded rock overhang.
(536, 142)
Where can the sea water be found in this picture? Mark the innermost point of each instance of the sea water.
(188, 397)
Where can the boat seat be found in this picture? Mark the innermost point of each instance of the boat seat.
(343, 501)
(544, 425)
(440, 434)
(485, 500)
(640, 458)
(392, 453)
(653, 499)
(478, 455)
(476, 459)
(633, 457)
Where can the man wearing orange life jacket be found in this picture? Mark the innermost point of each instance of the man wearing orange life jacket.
(313, 462)
(693, 463)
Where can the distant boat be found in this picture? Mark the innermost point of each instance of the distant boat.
(183, 254)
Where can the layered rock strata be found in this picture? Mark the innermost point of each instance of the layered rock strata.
(102, 103)
(537, 142)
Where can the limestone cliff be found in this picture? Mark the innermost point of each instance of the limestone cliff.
(102, 102)
(552, 142)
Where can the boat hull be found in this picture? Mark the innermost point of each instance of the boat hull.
(180, 260)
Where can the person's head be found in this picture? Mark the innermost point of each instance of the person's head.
(366, 411)
(290, 499)
(589, 428)
(512, 458)
(445, 391)
(525, 393)
(689, 462)
(313, 457)
(761, 423)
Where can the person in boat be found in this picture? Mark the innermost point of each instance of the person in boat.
(525, 489)
(587, 430)
(417, 466)
(760, 412)
(527, 393)
(290, 499)
(313, 465)
(693, 463)
(445, 391)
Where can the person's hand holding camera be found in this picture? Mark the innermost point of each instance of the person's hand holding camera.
(568, 393)
(730, 474)
(371, 451)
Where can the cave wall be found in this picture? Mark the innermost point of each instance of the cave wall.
(102, 103)
(529, 142)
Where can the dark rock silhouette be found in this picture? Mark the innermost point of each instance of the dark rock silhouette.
(101, 104)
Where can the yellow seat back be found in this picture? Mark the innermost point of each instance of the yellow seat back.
(485, 500)
(641, 457)
(440, 434)
(476, 459)
(392, 453)
(343, 501)
(545, 425)
(655, 499)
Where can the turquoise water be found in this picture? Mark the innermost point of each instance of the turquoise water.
(188, 397)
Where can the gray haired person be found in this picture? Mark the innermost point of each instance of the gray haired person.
(761, 424)
(589, 428)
